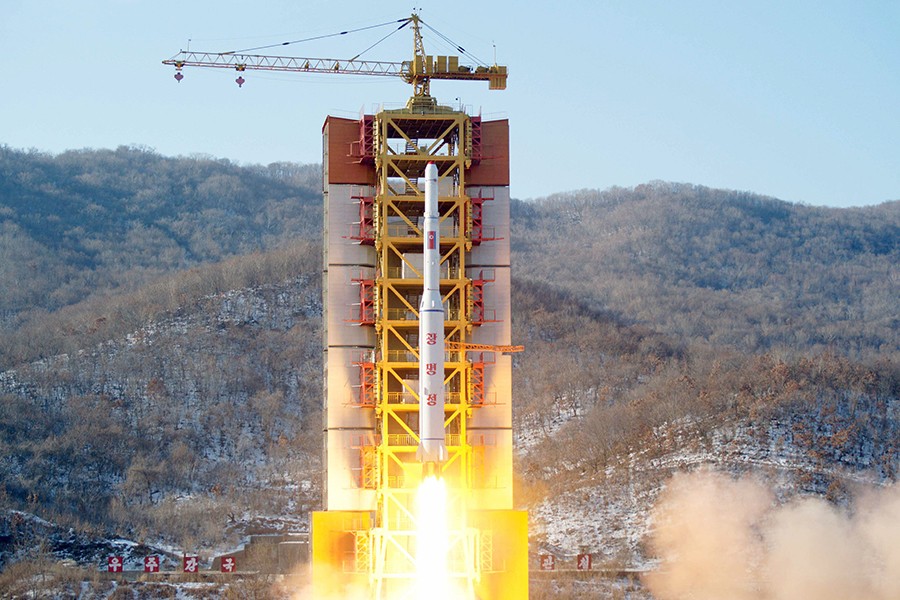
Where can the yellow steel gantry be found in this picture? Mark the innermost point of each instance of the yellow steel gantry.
(406, 140)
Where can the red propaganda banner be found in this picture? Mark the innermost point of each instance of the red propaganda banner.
(584, 562)
(548, 562)
(229, 564)
(114, 564)
(191, 564)
(151, 564)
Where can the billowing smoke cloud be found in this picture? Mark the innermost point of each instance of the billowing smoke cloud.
(725, 539)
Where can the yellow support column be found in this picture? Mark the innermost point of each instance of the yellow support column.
(407, 141)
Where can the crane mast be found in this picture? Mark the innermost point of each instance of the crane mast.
(418, 72)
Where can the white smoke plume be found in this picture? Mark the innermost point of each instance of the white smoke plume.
(725, 539)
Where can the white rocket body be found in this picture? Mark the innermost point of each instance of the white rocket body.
(432, 449)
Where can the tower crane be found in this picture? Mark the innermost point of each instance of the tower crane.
(419, 71)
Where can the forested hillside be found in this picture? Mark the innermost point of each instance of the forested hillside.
(203, 416)
(84, 222)
(160, 375)
(722, 267)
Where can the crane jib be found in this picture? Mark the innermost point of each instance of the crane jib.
(418, 71)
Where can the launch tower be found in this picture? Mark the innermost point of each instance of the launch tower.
(368, 541)
(374, 203)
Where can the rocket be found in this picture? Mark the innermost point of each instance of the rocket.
(432, 451)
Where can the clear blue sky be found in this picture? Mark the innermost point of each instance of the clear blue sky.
(796, 100)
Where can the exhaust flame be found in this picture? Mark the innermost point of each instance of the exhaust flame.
(432, 549)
